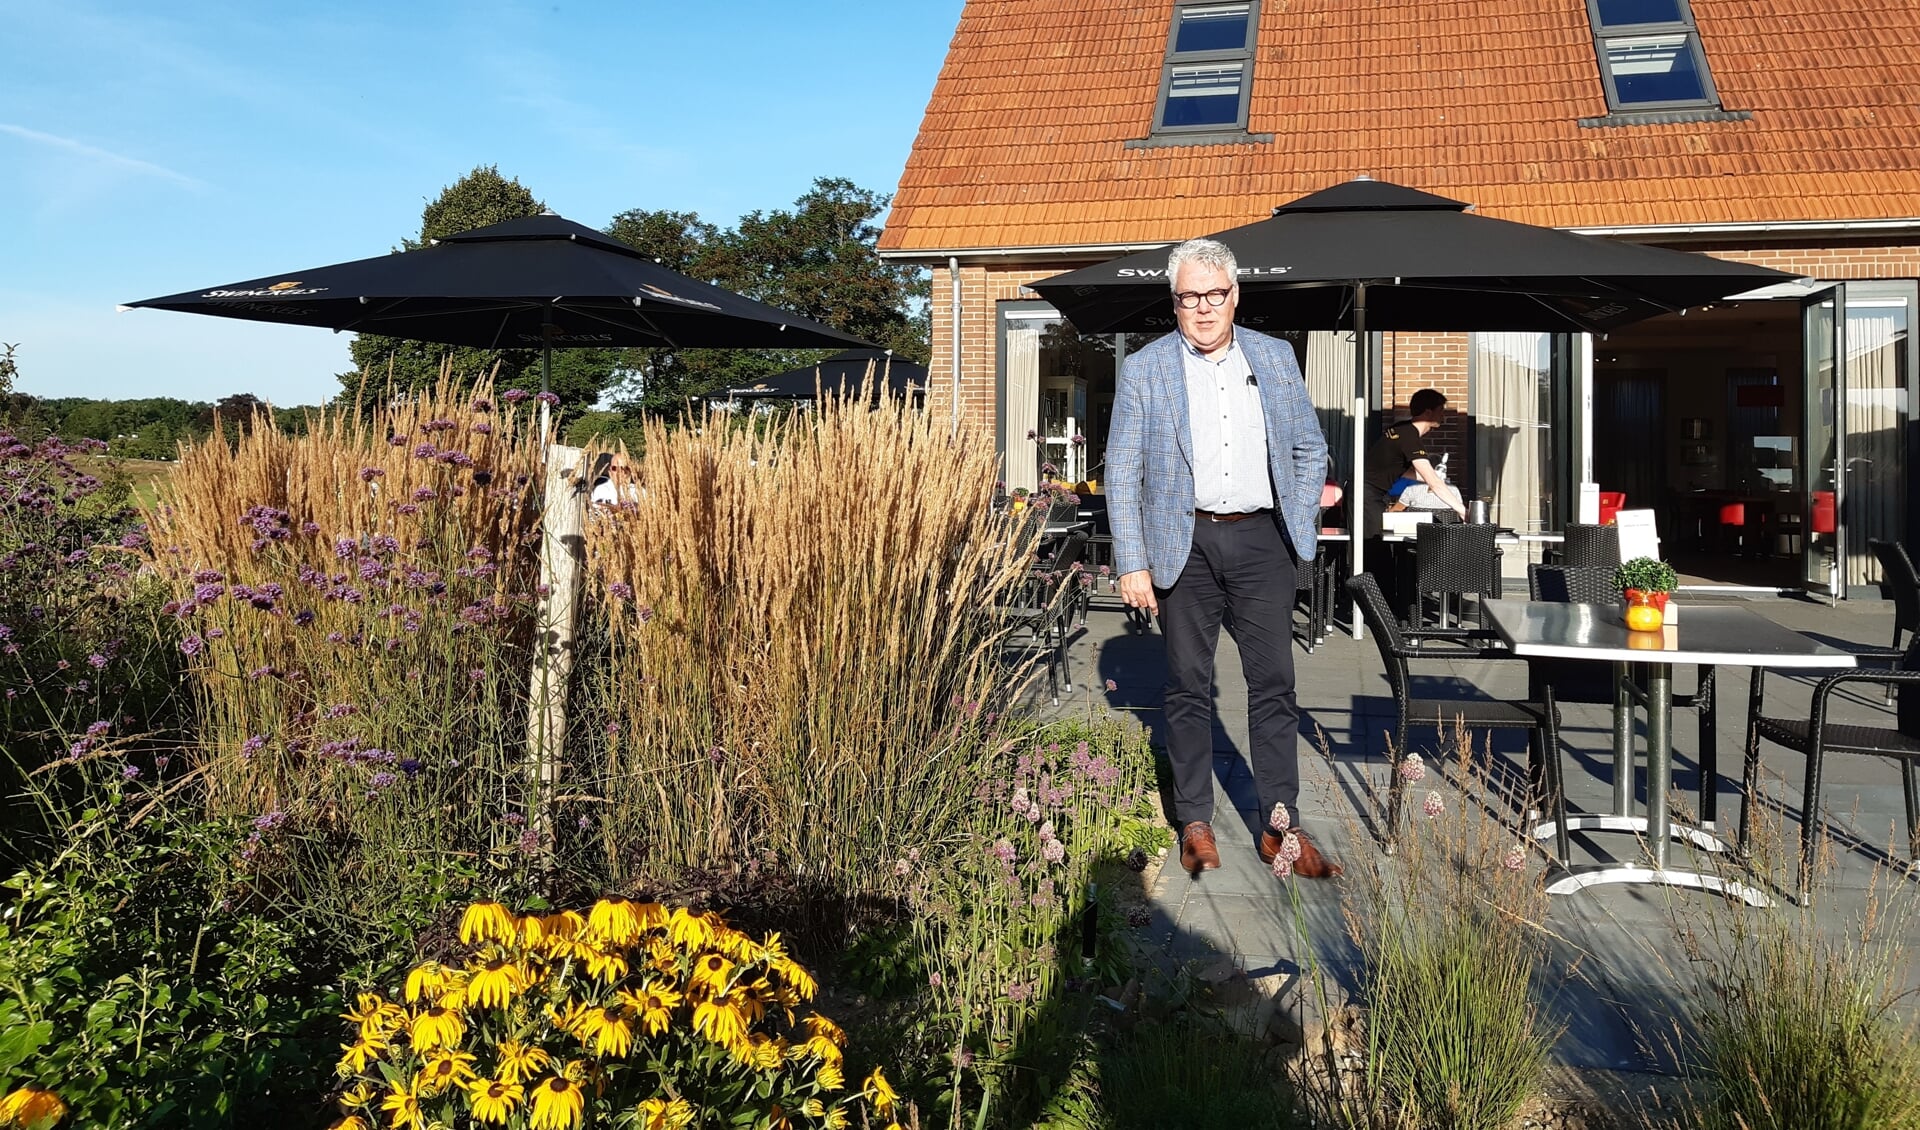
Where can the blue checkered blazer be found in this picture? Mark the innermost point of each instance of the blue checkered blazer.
(1150, 471)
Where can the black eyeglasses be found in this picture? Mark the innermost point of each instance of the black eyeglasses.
(1190, 299)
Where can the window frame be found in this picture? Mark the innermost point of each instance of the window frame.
(1685, 26)
(1174, 60)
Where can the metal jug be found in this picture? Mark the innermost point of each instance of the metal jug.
(1477, 512)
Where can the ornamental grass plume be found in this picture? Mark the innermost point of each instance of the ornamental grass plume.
(805, 676)
(1451, 940)
(361, 660)
(704, 1025)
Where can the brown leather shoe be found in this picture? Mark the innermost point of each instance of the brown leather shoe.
(1197, 850)
(1310, 865)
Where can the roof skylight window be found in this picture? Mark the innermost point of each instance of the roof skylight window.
(1650, 56)
(1205, 82)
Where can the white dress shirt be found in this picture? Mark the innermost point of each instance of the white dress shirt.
(1228, 433)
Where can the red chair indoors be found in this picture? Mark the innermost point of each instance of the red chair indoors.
(1611, 503)
(1733, 524)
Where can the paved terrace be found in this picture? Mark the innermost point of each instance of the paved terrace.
(1620, 962)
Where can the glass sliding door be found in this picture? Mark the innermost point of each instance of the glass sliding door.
(1823, 556)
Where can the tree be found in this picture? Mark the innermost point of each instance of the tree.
(816, 260)
(480, 198)
(9, 370)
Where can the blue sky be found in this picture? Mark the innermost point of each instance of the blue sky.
(152, 148)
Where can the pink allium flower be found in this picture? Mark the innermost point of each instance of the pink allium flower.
(1412, 769)
(1515, 859)
(1112, 686)
(1282, 867)
(1053, 851)
(1433, 805)
(1280, 819)
(902, 868)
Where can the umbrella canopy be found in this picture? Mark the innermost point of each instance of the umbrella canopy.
(1411, 261)
(841, 374)
(522, 284)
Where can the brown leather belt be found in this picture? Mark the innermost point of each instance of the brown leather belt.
(1212, 517)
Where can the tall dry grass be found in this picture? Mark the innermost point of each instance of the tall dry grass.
(356, 604)
(805, 650)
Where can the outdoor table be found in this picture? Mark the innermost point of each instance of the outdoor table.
(1702, 635)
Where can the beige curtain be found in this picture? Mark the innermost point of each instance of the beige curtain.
(1510, 399)
(1330, 386)
(1875, 424)
(1022, 408)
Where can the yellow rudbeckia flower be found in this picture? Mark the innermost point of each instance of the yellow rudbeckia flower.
(358, 1095)
(830, 1077)
(768, 1053)
(360, 1053)
(609, 1031)
(608, 967)
(427, 981)
(719, 1021)
(654, 1005)
(349, 1122)
(487, 922)
(615, 920)
(819, 1025)
(557, 1104)
(32, 1108)
(665, 1114)
(711, 973)
(519, 1062)
(494, 984)
(437, 1027)
(796, 976)
(690, 931)
(444, 1069)
(837, 1118)
(879, 1092)
(403, 1105)
(494, 1100)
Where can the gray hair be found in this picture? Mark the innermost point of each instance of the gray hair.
(1206, 253)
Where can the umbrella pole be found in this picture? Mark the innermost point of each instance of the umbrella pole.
(1356, 489)
(546, 378)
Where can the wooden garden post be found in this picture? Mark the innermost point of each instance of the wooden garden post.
(562, 566)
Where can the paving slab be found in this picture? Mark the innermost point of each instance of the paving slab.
(1623, 960)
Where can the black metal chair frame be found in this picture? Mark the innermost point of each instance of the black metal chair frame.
(1817, 736)
(1897, 572)
(1044, 605)
(1586, 545)
(1400, 645)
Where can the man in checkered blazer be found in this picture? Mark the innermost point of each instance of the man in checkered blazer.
(1215, 463)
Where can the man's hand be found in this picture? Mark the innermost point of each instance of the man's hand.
(1136, 590)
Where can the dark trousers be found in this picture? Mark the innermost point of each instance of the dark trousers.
(1245, 568)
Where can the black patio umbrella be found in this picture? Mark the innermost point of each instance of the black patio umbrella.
(541, 282)
(1370, 255)
(841, 374)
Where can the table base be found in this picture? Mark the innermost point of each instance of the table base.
(1701, 838)
(1580, 878)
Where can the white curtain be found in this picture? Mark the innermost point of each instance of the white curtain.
(1875, 424)
(1330, 386)
(1511, 404)
(1021, 414)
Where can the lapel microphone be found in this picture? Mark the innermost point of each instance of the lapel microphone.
(1252, 381)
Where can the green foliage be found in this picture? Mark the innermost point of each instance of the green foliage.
(84, 665)
(9, 368)
(885, 962)
(132, 985)
(1797, 1030)
(1646, 574)
(816, 259)
(1450, 944)
(1188, 1071)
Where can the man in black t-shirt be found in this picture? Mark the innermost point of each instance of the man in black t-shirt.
(1400, 459)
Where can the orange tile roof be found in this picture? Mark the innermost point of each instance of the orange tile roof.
(1023, 143)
